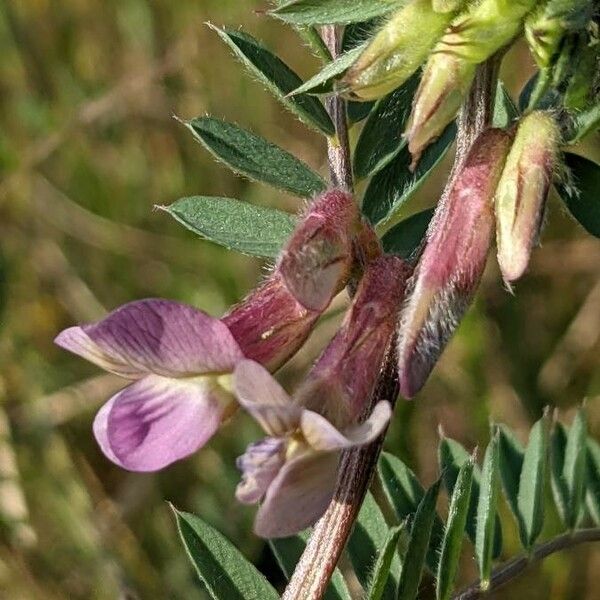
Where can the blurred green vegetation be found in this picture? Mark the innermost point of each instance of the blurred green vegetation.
(87, 148)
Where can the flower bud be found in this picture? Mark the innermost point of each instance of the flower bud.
(396, 51)
(522, 191)
(448, 273)
(317, 260)
(340, 384)
(471, 38)
(273, 322)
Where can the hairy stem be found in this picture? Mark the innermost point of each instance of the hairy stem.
(315, 568)
(513, 568)
(338, 147)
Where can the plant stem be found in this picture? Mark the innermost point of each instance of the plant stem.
(338, 147)
(328, 539)
(513, 568)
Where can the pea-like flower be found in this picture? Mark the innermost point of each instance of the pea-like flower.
(181, 359)
(294, 469)
(448, 272)
(522, 191)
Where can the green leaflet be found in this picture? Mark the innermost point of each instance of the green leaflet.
(389, 189)
(558, 444)
(322, 82)
(221, 567)
(505, 110)
(404, 493)
(452, 456)
(366, 542)
(324, 12)
(455, 530)
(381, 570)
(255, 157)
(531, 485)
(253, 230)
(405, 238)
(510, 463)
(288, 550)
(278, 78)
(584, 122)
(593, 480)
(574, 469)
(418, 544)
(486, 510)
(581, 193)
(382, 137)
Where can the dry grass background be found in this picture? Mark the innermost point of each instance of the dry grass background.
(87, 147)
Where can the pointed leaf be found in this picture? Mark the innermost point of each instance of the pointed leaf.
(381, 571)
(325, 12)
(511, 463)
(455, 531)
(358, 111)
(505, 110)
(558, 445)
(288, 551)
(593, 480)
(322, 82)
(255, 157)
(389, 189)
(279, 79)
(581, 197)
(414, 560)
(574, 469)
(486, 510)
(382, 136)
(531, 485)
(405, 238)
(452, 456)
(253, 230)
(221, 567)
(367, 539)
(585, 122)
(404, 493)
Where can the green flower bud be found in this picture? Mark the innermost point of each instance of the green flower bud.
(396, 51)
(522, 191)
(471, 38)
(546, 27)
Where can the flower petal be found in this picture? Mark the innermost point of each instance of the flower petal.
(155, 336)
(157, 420)
(322, 435)
(259, 466)
(260, 394)
(298, 496)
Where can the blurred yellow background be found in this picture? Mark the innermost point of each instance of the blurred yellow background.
(88, 146)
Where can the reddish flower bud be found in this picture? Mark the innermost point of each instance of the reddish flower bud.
(316, 262)
(522, 191)
(273, 322)
(340, 384)
(448, 272)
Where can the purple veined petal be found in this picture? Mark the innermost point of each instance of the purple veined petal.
(259, 466)
(262, 396)
(101, 430)
(156, 421)
(322, 435)
(155, 336)
(298, 496)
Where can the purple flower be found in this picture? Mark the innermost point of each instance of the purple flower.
(294, 468)
(450, 268)
(178, 358)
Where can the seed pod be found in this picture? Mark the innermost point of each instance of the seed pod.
(396, 51)
(445, 6)
(471, 38)
(522, 191)
(448, 273)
